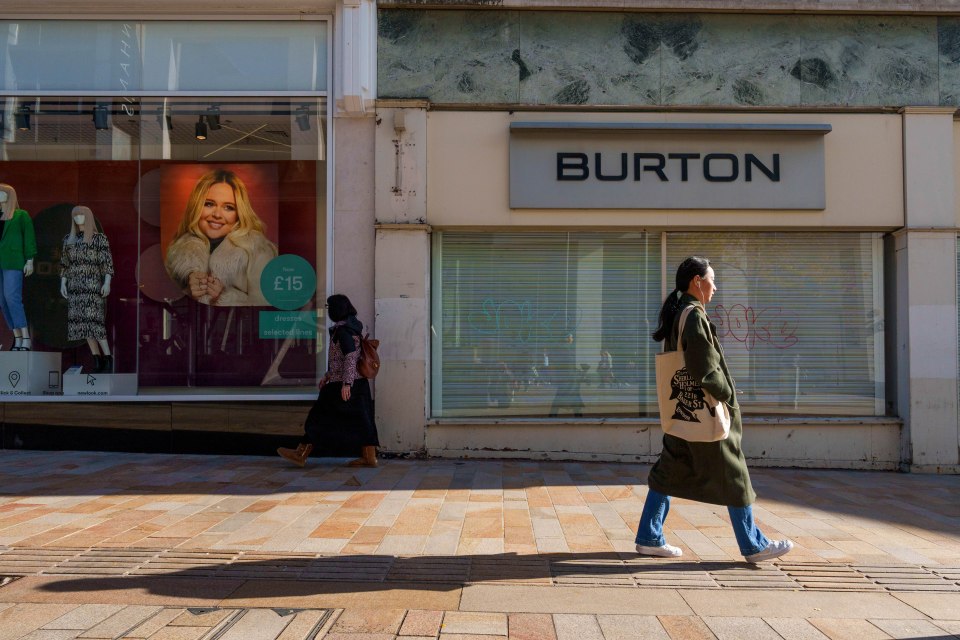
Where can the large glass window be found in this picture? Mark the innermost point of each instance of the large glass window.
(556, 323)
(194, 203)
(160, 56)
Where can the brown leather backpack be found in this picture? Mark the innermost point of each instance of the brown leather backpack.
(368, 363)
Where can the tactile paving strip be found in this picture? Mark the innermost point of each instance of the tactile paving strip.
(548, 569)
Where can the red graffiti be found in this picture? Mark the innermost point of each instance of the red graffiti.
(749, 326)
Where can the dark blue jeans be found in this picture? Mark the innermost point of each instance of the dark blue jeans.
(650, 532)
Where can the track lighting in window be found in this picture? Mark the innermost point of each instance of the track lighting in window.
(303, 118)
(213, 118)
(101, 117)
(201, 129)
(22, 116)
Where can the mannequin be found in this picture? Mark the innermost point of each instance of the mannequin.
(86, 269)
(18, 247)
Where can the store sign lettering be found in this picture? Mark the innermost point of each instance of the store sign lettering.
(573, 165)
(716, 167)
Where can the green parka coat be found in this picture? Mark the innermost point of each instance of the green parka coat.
(714, 472)
(18, 242)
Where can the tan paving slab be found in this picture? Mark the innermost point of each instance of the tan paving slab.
(470, 622)
(686, 628)
(369, 621)
(795, 629)
(180, 633)
(154, 623)
(939, 606)
(531, 626)
(848, 629)
(120, 622)
(258, 624)
(585, 600)
(950, 626)
(84, 617)
(343, 595)
(577, 627)
(419, 622)
(359, 636)
(469, 636)
(306, 623)
(740, 628)
(906, 629)
(627, 627)
(51, 634)
(795, 604)
(23, 618)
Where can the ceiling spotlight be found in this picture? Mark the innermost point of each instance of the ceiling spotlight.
(201, 129)
(101, 117)
(303, 118)
(22, 116)
(213, 117)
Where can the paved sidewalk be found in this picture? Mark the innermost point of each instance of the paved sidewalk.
(166, 547)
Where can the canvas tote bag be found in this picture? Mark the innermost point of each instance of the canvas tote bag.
(687, 410)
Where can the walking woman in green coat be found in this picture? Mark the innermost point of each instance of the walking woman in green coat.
(713, 472)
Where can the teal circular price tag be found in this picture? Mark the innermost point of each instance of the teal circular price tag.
(288, 282)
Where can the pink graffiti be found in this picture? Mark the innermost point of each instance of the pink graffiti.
(749, 326)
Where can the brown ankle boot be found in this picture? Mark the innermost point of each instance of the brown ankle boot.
(297, 456)
(368, 458)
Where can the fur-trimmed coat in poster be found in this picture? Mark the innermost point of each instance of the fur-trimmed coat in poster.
(237, 262)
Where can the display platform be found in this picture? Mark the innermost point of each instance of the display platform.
(30, 373)
(78, 383)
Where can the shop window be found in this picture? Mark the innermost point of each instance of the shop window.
(800, 317)
(544, 323)
(541, 323)
(190, 309)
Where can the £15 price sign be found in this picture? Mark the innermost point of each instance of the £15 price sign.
(288, 282)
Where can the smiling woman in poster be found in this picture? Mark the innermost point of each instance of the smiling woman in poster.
(219, 250)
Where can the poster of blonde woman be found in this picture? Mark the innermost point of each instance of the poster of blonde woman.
(218, 226)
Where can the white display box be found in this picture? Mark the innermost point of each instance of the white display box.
(30, 373)
(78, 383)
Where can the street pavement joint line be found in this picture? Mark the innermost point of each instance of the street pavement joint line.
(317, 628)
(226, 624)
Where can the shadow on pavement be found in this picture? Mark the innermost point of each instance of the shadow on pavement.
(284, 575)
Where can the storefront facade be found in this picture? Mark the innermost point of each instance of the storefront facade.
(167, 315)
(533, 204)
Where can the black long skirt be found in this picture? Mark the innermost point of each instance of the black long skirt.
(338, 428)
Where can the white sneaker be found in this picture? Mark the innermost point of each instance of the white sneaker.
(775, 549)
(663, 551)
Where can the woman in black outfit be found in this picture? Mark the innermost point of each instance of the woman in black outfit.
(341, 421)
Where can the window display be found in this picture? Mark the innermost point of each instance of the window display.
(148, 244)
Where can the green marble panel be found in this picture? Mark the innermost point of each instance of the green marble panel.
(948, 44)
(587, 58)
(735, 60)
(867, 60)
(448, 56)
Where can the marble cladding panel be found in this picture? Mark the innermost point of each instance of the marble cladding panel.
(448, 56)
(603, 58)
(948, 45)
(587, 58)
(867, 60)
(730, 60)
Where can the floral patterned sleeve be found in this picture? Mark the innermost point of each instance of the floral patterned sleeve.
(343, 368)
(349, 371)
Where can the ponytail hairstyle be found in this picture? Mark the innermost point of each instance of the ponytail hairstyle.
(692, 266)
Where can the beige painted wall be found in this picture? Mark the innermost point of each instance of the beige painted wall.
(468, 174)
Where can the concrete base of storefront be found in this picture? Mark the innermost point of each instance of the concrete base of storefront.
(836, 443)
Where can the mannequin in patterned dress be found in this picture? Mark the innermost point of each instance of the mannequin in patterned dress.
(86, 269)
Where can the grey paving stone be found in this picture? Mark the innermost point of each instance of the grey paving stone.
(906, 629)
(628, 627)
(738, 628)
(577, 627)
(796, 604)
(795, 629)
(939, 606)
(588, 600)
(120, 622)
(470, 622)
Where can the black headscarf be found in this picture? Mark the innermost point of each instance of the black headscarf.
(344, 315)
